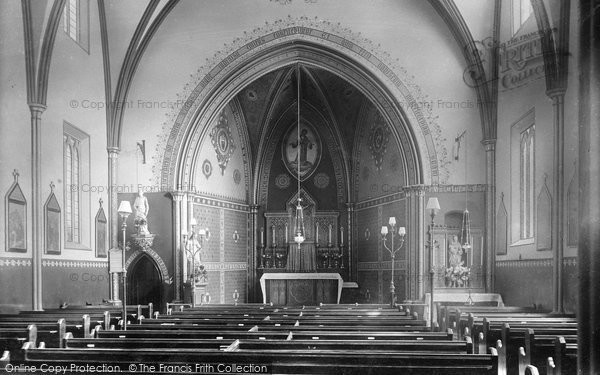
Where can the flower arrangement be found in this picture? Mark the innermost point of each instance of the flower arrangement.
(201, 275)
(458, 276)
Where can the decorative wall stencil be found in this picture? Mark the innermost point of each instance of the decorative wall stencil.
(366, 173)
(367, 234)
(306, 150)
(237, 176)
(282, 181)
(16, 217)
(207, 168)
(235, 236)
(101, 228)
(252, 95)
(378, 141)
(501, 228)
(52, 223)
(544, 219)
(222, 141)
(321, 180)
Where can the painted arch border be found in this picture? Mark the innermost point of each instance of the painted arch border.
(262, 55)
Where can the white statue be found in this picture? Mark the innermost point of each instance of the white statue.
(141, 208)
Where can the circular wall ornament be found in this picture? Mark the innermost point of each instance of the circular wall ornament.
(321, 180)
(282, 181)
(237, 176)
(207, 168)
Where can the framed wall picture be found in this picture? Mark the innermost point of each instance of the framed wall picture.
(52, 224)
(101, 228)
(16, 217)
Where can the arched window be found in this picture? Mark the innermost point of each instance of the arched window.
(527, 164)
(72, 188)
(76, 22)
(521, 10)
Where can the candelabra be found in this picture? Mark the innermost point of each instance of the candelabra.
(433, 205)
(393, 250)
(193, 249)
(124, 211)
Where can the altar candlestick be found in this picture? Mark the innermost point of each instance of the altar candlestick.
(286, 233)
(329, 235)
(273, 235)
(342, 236)
(317, 233)
(262, 237)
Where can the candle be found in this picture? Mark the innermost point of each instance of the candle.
(329, 237)
(262, 237)
(384, 230)
(317, 233)
(286, 233)
(402, 231)
(342, 236)
(273, 235)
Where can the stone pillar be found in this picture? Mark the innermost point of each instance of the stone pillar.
(588, 315)
(490, 213)
(251, 291)
(414, 241)
(349, 238)
(178, 250)
(113, 217)
(36, 204)
(558, 107)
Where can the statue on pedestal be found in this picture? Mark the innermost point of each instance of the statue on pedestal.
(141, 208)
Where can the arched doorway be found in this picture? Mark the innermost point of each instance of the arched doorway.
(145, 283)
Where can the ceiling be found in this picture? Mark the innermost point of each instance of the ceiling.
(266, 99)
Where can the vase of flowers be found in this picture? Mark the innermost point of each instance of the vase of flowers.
(458, 276)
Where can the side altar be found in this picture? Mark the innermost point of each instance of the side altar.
(302, 288)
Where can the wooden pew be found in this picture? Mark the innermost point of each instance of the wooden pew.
(565, 357)
(538, 348)
(80, 326)
(276, 361)
(51, 334)
(439, 346)
(13, 338)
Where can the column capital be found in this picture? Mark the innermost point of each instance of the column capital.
(418, 190)
(113, 150)
(556, 93)
(254, 208)
(351, 206)
(177, 195)
(489, 144)
(37, 109)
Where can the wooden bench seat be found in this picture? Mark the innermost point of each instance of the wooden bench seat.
(283, 361)
(538, 348)
(51, 334)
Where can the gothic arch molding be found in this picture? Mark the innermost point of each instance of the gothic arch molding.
(136, 256)
(310, 47)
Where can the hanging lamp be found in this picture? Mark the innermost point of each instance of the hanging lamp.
(299, 223)
(465, 231)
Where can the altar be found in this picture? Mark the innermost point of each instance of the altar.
(296, 289)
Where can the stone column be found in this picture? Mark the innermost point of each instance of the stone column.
(558, 107)
(588, 314)
(251, 291)
(349, 238)
(414, 241)
(490, 213)
(113, 217)
(177, 245)
(36, 204)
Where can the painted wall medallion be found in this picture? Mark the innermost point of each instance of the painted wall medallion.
(207, 168)
(378, 141)
(304, 149)
(237, 176)
(321, 180)
(282, 181)
(222, 141)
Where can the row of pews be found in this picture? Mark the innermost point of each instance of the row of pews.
(526, 340)
(257, 338)
(326, 339)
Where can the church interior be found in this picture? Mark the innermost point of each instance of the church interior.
(317, 157)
